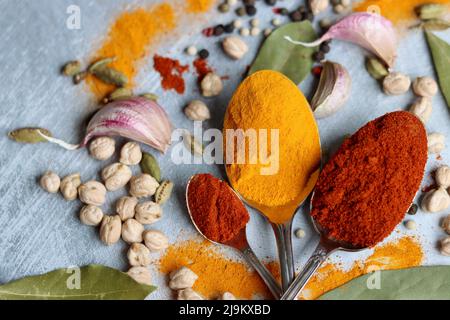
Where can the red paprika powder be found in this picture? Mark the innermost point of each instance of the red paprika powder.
(216, 209)
(367, 187)
(171, 72)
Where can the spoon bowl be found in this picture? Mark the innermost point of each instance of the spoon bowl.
(324, 249)
(240, 243)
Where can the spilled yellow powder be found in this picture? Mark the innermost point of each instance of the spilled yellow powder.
(129, 39)
(404, 253)
(217, 274)
(395, 10)
(197, 6)
(134, 33)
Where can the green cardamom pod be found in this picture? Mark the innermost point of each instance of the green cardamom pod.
(431, 11)
(120, 93)
(110, 76)
(100, 64)
(376, 68)
(436, 25)
(71, 68)
(163, 192)
(149, 165)
(29, 135)
(150, 96)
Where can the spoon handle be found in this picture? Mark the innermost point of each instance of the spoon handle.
(319, 256)
(283, 236)
(265, 274)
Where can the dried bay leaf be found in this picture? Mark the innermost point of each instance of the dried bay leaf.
(436, 25)
(430, 283)
(440, 50)
(96, 283)
(29, 135)
(278, 54)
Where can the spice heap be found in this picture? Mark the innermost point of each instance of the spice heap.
(367, 187)
(217, 211)
(269, 100)
(403, 253)
(218, 274)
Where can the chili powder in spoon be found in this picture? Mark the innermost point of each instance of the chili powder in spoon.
(216, 209)
(367, 187)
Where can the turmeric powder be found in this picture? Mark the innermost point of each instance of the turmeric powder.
(269, 100)
(133, 33)
(395, 10)
(402, 254)
(217, 274)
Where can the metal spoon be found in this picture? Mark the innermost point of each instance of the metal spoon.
(323, 250)
(240, 243)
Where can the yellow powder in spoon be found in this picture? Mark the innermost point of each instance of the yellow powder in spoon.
(395, 10)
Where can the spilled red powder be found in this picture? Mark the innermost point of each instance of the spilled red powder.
(202, 68)
(171, 72)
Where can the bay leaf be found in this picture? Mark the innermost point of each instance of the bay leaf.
(96, 283)
(430, 283)
(440, 50)
(278, 54)
(29, 135)
(436, 25)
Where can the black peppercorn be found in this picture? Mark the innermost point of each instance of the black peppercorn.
(413, 209)
(325, 47)
(318, 56)
(251, 10)
(241, 11)
(219, 30)
(308, 16)
(271, 2)
(229, 28)
(296, 16)
(249, 2)
(204, 54)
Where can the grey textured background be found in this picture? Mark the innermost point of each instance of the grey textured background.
(41, 232)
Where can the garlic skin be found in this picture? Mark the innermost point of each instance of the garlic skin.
(425, 87)
(371, 31)
(422, 108)
(136, 118)
(333, 91)
(436, 142)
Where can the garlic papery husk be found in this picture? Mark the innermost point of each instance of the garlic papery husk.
(371, 31)
(136, 118)
(333, 90)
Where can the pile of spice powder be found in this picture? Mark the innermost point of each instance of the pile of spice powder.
(129, 38)
(171, 72)
(217, 211)
(397, 11)
(217, 274)
(401, 254)
(366, 188)
(197, 6)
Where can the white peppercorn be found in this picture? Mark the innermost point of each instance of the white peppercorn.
(155, 240)
(125, 207)
(50, 182)
(131, 154)
(132, 231)
(91, 215)
(69, 186)
(148, 212)
(102, 148)
(138, 255)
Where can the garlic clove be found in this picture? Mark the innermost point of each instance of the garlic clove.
(371, 31)
(333, 90)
